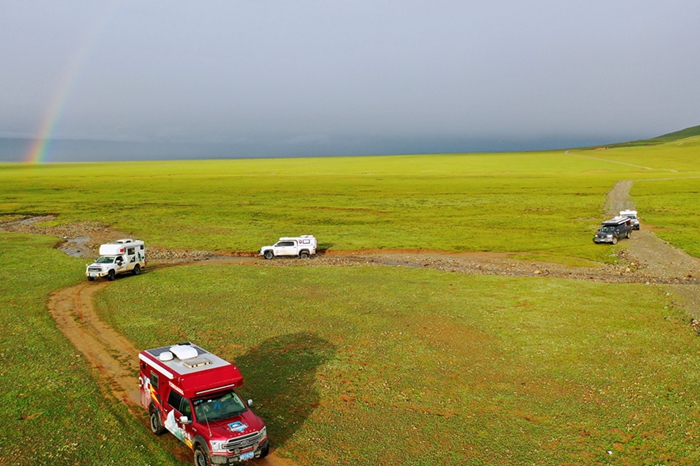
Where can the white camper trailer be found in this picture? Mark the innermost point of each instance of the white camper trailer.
(122, 256)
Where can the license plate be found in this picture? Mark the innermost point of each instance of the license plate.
(93, 274)
(247, 455)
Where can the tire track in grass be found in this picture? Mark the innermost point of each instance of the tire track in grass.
(113, 356)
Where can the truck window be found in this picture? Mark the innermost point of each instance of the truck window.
(218, 407)
(180, 403)
(130, 251)
(174, 399)
(154, 379)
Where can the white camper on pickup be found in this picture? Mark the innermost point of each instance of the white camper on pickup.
(122, 256)
(302, 246)
(632, 215)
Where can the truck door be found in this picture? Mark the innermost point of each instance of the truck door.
(179, 406)
(130, 258)
(121, 263)
(285, 248)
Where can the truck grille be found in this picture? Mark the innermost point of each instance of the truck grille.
(246, 441)
(95, 269)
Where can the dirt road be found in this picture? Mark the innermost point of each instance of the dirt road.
(659, 258)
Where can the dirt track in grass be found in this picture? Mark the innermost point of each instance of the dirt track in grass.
(647, 259)
(114, 357)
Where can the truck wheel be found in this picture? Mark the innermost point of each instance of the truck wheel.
(629, 234)
(614, 241)
(91, 279)
(265, 450)
(137, 270)
(268, 255)
(111, 275)
(303, 255)
(154, 421)
(201, 458)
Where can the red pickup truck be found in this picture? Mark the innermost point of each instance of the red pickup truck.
(190, 392)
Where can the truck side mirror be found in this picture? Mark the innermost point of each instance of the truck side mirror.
(185, 420)
(250, 402)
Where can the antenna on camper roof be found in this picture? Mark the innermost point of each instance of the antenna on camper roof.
(204, 411)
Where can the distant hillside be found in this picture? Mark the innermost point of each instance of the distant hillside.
(676, 135)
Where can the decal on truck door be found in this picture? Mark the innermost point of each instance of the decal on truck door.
(180, 406)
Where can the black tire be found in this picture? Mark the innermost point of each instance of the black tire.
(303, 255)
(265, 450)
(629, 234)
(91, 279)
(110, 275)
(201, 458)
(268, 255)
(154, 422)
(137, 270)
(614, 240)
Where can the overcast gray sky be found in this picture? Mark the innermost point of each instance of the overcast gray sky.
(348, 76)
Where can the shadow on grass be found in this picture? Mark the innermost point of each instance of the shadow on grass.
(323, 247)
(280, 375)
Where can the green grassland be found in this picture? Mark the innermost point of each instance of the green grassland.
(544, 205)
(53, 411)
(368, 365)
(375, 365)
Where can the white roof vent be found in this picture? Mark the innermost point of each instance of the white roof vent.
(199, 362)
(165, 356)
(183, 352)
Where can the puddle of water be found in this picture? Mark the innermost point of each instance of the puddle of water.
(33, 220)
(72, 252)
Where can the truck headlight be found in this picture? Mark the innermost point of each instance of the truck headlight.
(263, 433)
(609, 236)
(218, 445)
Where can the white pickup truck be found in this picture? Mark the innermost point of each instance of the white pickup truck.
(300, 246)
(122, 256)
(632, 215)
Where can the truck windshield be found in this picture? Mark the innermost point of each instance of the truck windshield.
(607, 229)
(104, 260)
(218, 407)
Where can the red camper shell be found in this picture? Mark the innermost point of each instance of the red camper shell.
(191, 393)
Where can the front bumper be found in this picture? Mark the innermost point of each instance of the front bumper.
(235, 459)
(96, 274)
(602, 240)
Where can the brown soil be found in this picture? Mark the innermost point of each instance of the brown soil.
(647, 259)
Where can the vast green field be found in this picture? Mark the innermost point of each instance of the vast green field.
(378, 365)
(363, 365)
(541, 204)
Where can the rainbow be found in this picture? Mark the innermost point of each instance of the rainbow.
(38, 150)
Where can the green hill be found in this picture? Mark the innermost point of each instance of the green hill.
(670, 137)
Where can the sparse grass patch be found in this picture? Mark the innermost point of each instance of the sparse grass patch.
(365, 365)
